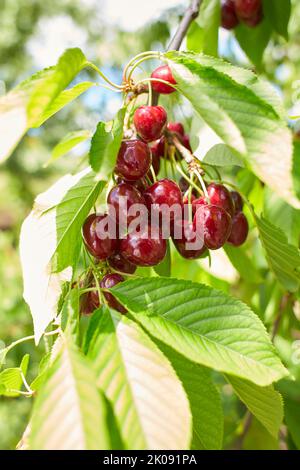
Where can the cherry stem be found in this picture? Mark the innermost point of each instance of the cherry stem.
(197, 173)
(149, 79)
(145, 56)
(94, 67)
(153, 173)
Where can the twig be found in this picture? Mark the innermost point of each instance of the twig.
(190, 15)
(247, 424)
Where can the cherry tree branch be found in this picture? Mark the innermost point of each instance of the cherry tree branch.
(190, 15)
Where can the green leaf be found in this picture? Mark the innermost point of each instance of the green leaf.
(164, 268)
(247, 120)
(70, 315)
(243, 263)
(204, 399)
(254, 41)
(264, 403)
(68, 66)
(45, 363)
(205, 325)
(71, 212)
(62, 100)
(283, 258)
(278, 13)
(69, 412)
(105, 145)
(222, 155)
(141, 385)
(11, 379)
(203, 34)
(68, 143)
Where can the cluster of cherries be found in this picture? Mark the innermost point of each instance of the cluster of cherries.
(249, 12)
(218, 213)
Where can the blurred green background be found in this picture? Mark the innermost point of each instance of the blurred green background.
(33, 35)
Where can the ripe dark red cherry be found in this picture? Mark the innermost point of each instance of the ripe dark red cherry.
(155, 163)
(108, 281)
(215, 224)
(229, 19)
(119, 263)
(255, 20)
(239, 231)
(164, 191)
(149, 122)
(186, 142)
(98, 247)
(246, 9)
(220, 196)
(176, 127)
(144, 248)
(89, 302)
(115, 209)
(163, 73)
(158, 148)
(201, 201)
(134, 160)
(188, 235)
(237, 201)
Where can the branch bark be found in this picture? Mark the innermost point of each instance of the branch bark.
(190, 15)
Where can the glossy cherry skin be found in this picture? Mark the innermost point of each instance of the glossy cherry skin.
(215, 224)
(155, 163)
(188, 235)
(132, 195)
(144, 248)
(134, 160)
(163, 73)
(220, 196)
(119, 263)
(99, 248)
(107, 282)
(149, 122)
(237, 201)
(239, 231)
(164, 191)
(196, 203)
(176, 127)
(246, 9)
(229, 19)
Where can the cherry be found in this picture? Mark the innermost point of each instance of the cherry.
(183, 184)
(163, 73)
(158, 148)
(246, 9)
(229, 19)
(107, 282)
(215, 224)
(149, 122)
(132, 195)
(239, 231)
(186, 142)
(188, 235)
(119, 263)
(237, 201)
(155, 163)
(220, 196)
(186, 199)
(134, 160)
(146, 248)
(176, 127)
(255, 20)
(196, 203)
(89, 301)
(99, 247)
(164, 191)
